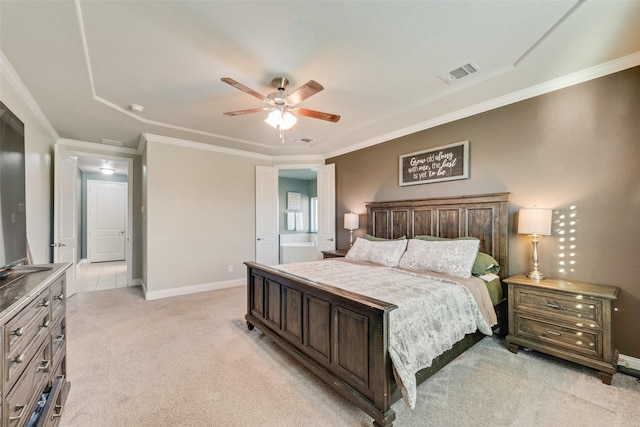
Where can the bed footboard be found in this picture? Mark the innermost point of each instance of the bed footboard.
(340, 336)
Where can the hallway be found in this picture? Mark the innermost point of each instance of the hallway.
(101, 275)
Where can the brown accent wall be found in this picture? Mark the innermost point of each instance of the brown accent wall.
(575, 150)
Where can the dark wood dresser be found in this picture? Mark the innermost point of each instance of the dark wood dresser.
(34, 372)
(564, 318)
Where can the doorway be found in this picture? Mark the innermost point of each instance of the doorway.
(314, 187)
(74, 167)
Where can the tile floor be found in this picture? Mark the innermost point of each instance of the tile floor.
(101, 275)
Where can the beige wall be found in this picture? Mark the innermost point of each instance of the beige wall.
(200, 216)
(39, 152)
(575, 150)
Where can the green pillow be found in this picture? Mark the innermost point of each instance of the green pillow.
(378, 239)
(436, 238)
(483, 264)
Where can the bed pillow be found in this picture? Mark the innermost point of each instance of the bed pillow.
(380, 239)
(454, 257)
(484, 263)
(387, 253)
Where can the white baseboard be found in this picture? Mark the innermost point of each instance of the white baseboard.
(629, 362)
(166, 293)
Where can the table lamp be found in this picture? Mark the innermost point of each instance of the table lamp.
(351, 223)
(535, 222)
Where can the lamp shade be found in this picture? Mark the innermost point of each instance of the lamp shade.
(534, 221)
(351, 221)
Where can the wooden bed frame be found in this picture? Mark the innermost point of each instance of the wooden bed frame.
(343, 337)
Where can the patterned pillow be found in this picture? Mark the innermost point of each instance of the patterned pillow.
(484, 263)
(387, 252)
(454, 257)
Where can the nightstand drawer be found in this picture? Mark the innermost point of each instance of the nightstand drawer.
(579, 341)
(571, 307)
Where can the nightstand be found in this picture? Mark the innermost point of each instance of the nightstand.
(334, 254)
(564, 318)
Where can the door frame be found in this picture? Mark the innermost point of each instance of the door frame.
(74, 151)
(321, 246)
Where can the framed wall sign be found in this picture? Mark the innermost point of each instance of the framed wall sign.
(446, 163)
(294, 201)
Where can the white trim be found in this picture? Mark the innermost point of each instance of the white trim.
(582, 76)
(629, 362)
(202, 146)
(18, 85)
(186, 290)
(85, 145)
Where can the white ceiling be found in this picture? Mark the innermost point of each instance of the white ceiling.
(85, 62)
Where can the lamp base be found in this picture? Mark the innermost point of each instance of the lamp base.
(535, 275)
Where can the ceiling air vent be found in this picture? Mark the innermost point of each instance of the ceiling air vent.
(459, 72)
(305, 140)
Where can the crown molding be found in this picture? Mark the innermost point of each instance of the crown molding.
(18, 85)
(97, 147)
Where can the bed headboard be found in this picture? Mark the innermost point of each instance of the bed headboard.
(483, 216)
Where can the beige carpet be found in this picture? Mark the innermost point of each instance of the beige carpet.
(190, 361)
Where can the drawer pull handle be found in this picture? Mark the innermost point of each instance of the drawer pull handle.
(58, 338)
(556, 306)
(21, 407)
(45, 365)
(45, 303)
(19, 358)
(59, 413)
(60, 297)
(45, 324)
(558, 334)
(18, 332)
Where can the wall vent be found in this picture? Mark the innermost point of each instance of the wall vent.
(459, 72)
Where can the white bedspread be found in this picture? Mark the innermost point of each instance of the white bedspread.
(434, 312)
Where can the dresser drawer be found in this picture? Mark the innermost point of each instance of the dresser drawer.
(26, 324)
(576, 340)
(58, 341)
(52, 410)
(574, 308)
(21, 401)
(26, 332)
(58, 299)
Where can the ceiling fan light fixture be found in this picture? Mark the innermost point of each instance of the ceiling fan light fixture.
(280, 120)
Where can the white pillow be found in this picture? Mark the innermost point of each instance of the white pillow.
(387, 253)
(454, 257)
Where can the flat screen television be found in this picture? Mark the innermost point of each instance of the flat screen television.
(13, 219)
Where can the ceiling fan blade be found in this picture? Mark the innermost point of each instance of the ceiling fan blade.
(243, 88)
(317, 114)
(249, 111)
(303, 92)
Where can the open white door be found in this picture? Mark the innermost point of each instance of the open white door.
(106, 220)
(267, 215)
(327, 207)
(65, 218)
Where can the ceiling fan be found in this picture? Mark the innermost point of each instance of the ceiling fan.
(282, 106)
